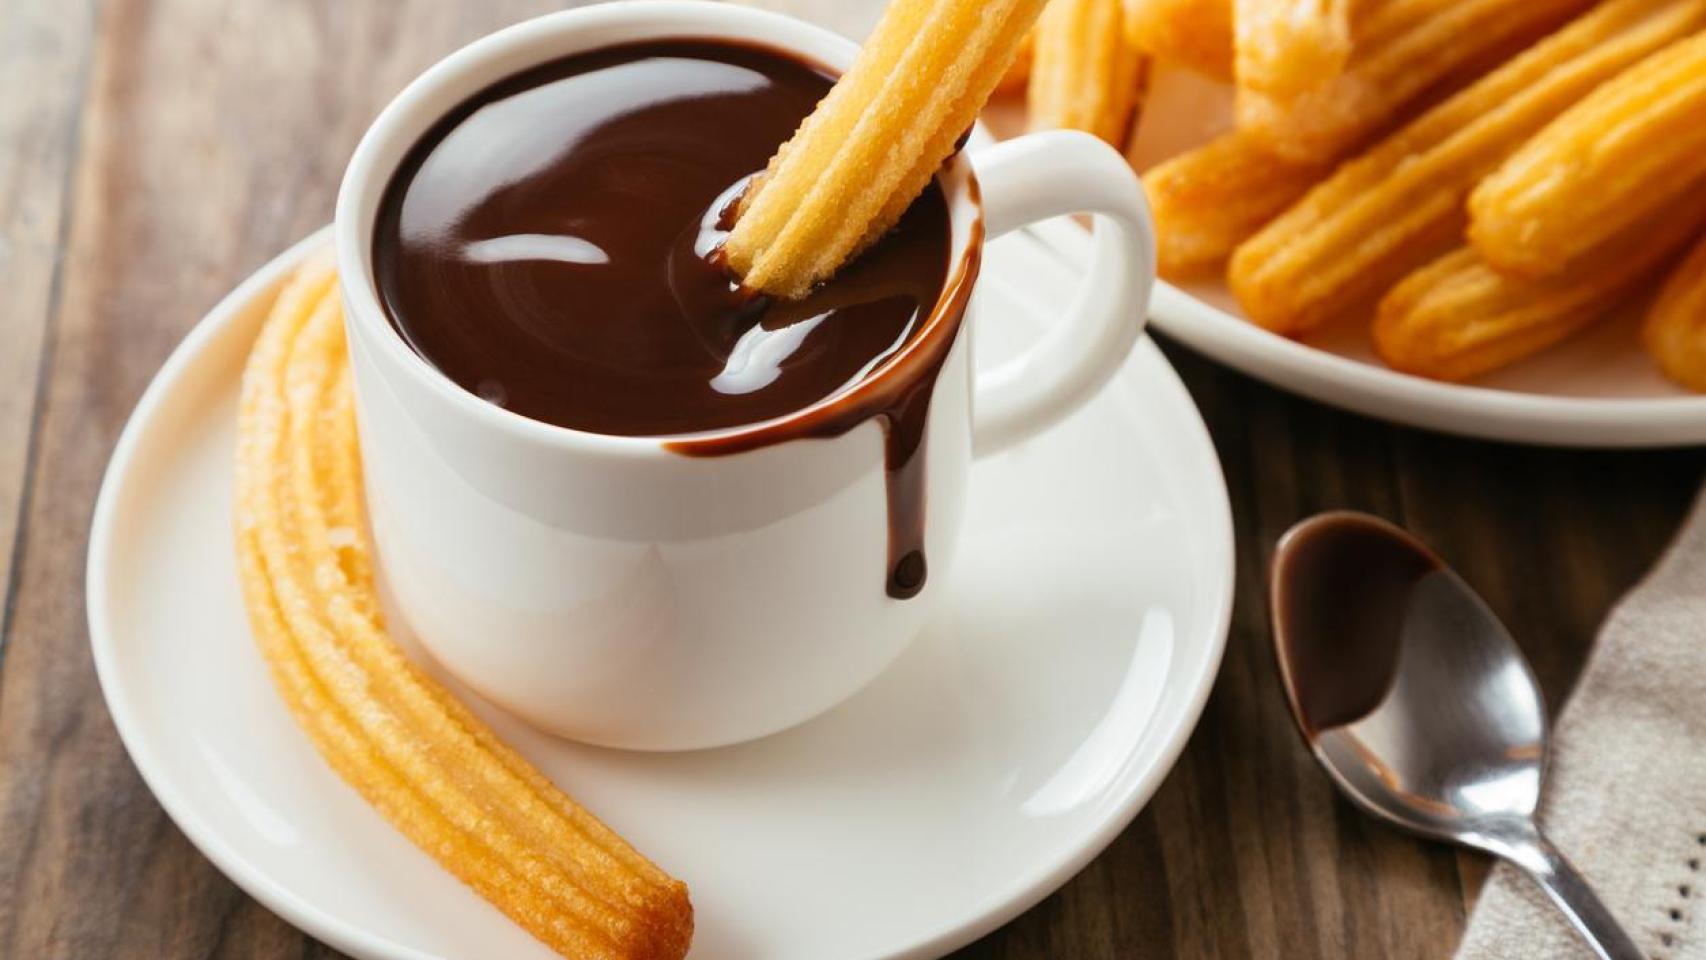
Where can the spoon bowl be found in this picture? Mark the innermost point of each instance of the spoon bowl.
(1417, 701)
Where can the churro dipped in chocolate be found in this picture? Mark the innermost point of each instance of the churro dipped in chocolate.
(874, 143)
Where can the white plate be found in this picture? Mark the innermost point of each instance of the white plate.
(1598, 389)
(1011, 744)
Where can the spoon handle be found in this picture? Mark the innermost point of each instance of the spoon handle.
(1535, 855)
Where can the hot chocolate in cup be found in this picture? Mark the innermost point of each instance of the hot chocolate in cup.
(658, 569)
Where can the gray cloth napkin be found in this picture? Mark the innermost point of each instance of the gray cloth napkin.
(1626, 795)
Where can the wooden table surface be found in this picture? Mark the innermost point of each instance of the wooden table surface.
(153, 152)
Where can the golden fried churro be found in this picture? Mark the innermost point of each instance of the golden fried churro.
(1085, 72)
(1626, 150)
(1284, 47)
(1404, 54)
(1400, 205)
(1458, 318)
(1675, 330)
(1192, 33)
(1208, 200)
(875, 141)
(404, 742)
(1019, 71)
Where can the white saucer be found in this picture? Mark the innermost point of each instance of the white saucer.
(1597, 389)
(1011, 744)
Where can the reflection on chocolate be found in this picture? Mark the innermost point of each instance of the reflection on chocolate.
(549, 246)
(1342, 587)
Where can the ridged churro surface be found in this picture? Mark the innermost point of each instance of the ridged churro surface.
(875, 141)
(1404, 53)
(1458, 318)
(1401, 204)
(1085, 70)
(1624, 152)
(1208, 200)
(404, 742)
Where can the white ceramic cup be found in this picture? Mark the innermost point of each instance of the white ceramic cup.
(616, 592)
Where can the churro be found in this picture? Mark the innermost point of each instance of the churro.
(1675, 329)
(1625, 151)
(1400, 205)
(1208, 200)
(1019, 71)
(412, 750)
(1192, 33)
(875, 141)
(1084, 75)
(1404, 54)
(1458, 318)
(1285, 47)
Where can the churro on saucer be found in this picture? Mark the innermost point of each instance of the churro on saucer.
(404, 742)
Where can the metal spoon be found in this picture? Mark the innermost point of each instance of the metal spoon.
(1416, 700)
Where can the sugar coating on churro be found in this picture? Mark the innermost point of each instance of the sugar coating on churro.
(1625, 151)
(875, 141)
(1458, 318)
(412, 750)
(1086, 70)
(1675, 328)
(1401, 205)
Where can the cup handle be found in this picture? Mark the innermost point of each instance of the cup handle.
(1045, 175)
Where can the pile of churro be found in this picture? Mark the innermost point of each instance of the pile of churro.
(1473, 179)
(412, 750)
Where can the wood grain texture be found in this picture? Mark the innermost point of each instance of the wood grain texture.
(212, 134)
(44, 49)
(152, 152)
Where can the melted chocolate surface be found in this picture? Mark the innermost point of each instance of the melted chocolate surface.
(550, 247)
(1343, 586)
